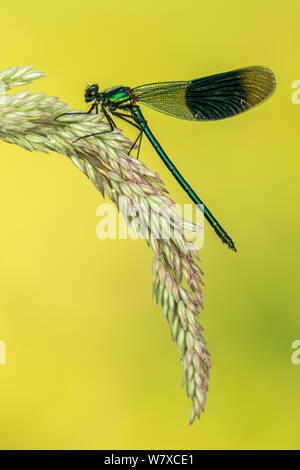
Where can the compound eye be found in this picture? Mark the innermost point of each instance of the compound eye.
(91, 93)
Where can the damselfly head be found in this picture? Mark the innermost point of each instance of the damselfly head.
(91, 93)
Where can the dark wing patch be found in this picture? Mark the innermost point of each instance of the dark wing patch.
(227, 94)
(210, 98)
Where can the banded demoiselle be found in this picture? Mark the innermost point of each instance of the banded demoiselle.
(205, 99)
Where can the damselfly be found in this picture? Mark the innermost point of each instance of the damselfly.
(205, 99)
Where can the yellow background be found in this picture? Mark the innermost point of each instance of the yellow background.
(90, 361)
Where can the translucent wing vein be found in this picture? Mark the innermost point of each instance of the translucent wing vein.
(210, 98)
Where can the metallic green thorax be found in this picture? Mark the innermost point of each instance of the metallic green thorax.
(118, 97)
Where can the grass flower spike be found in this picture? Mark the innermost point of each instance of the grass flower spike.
(29, 121)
